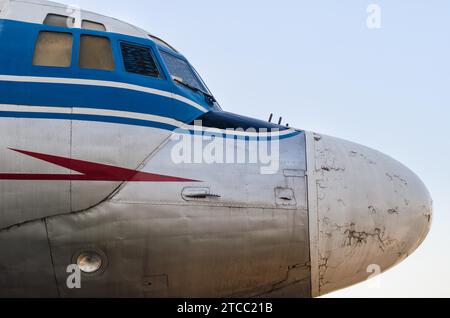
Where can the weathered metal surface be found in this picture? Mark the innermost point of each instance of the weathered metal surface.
(156, 244)
(25, 201)
(185, 251)
(237, 185)
(371, 211)
(26, 268)
(112, 145)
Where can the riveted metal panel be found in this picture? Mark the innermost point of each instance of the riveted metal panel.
(203, 251)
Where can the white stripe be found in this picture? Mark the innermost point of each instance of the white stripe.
(230, 132)
(35, 109)
(88, 82)
(89, 111)
(130, 115)
(139, 116)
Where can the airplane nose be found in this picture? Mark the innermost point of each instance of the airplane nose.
(368, 212)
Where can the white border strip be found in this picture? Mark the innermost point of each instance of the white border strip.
(138, 116)
(230, 132)
(123, 114)
(89, 111)
(35, 109)
(88, 82)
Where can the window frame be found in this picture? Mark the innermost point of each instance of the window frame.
(162, 73)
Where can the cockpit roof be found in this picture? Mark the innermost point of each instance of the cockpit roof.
(36, 11)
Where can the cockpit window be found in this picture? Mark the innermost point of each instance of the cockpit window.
(91, 25)
(64, 21)
(139, 60)
(181, 71)
(59, 20)
(53, 49)
(96, 53)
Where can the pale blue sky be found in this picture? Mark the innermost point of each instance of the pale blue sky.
(318, 65)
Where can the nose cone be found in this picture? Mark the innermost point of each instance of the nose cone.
(371, 213)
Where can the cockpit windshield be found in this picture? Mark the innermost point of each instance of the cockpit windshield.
(182, 72)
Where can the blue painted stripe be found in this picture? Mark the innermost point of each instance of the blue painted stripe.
(236, 137)
(136, 122)
(92, 118)
(72, 95)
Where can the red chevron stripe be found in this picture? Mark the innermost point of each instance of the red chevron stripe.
(89, 171)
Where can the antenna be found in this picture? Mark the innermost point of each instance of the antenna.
(280, 120)
(270, 118)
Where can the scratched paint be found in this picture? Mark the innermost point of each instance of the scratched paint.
(371, 210)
